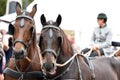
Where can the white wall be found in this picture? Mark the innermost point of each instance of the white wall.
(80, 15)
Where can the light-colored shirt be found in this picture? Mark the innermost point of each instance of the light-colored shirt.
(103, 38)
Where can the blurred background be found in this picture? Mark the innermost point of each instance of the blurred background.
(79, 17)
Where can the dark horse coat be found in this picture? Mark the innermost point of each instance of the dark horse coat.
(104, 69)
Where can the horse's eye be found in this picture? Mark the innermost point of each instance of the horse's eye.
(11, 29)
(32, 29)
(40, 41)
(59, 39)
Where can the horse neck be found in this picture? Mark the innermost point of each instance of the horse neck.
(63, 57)
(66, 50)
(32, 50)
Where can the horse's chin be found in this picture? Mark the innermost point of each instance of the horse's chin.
(19, 57)
(51, 72)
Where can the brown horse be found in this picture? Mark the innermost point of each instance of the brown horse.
(55, 48)
(25, 63)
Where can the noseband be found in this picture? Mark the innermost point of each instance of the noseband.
(22, 23)
(49, 50)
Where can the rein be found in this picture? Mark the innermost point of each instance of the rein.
(25, 72)
(80, 72)
(68, 61)
(21, 75)
(64, 71)
(71, 60)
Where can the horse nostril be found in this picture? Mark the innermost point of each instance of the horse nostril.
(19, 54)
(52, 65)
(48, 66)
(22, 52)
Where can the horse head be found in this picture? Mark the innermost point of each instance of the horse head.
(53, 43)
(23, 31)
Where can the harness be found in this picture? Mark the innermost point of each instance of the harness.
(17, 73)
(29, 75)
(70, 61)
(87, 61)
(21, 75)
(50, 34)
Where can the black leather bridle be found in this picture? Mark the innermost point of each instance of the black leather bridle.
(22, 25)
(49, 50)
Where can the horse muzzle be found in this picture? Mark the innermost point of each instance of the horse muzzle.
(49, 69)
(19, 54)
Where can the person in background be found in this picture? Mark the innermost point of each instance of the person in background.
(7, 42)
(101, 38)
(3, 32)
(1, 57)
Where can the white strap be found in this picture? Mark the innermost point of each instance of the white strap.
(68, 61)
(51, 26)
(61, 65)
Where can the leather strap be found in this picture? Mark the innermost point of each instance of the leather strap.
(90, 65)
(28, 75)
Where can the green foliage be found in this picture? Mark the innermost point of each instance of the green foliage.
(29, 1)
(2, 7)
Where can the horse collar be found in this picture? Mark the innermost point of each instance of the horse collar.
(29, 75)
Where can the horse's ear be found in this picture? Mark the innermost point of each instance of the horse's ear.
(18, 8)
(58, 20)
(43, 20)
(11, 29)
(34, 9)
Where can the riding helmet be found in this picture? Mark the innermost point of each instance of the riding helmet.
(102, 16)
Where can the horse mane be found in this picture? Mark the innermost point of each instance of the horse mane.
(34, 38)
(66, 46)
